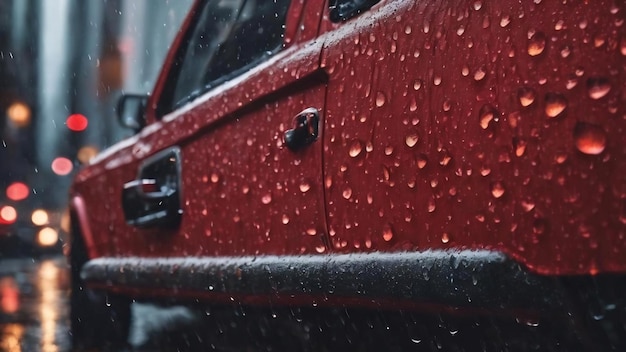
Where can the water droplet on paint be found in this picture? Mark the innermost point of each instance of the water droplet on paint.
(555, 104)
(589, 138)
(497, 189)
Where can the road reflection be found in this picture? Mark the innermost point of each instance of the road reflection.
(48, 278)
(33, 305)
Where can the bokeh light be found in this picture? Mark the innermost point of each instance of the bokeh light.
(19, 114)
(47, 237)
(62, 166)
(17, 191)
(39, 217)
(77, 122)
(8, 214)
(86, 153)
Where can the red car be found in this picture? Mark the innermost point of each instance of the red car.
(415, 155)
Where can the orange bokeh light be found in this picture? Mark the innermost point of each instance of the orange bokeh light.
(62, 166)
(17, 191)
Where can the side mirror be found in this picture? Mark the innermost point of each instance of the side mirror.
(131, 110)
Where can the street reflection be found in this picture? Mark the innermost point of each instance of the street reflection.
(11, 337)
(9, 295)
(33, 305)
(47, 280)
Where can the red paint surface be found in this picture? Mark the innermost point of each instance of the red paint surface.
(445, 125)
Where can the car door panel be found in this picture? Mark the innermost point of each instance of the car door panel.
(233, 162)
(470, 132)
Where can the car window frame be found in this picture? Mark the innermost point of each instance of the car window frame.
(162, 104)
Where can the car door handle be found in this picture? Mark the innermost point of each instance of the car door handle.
(305, 131)
(147, 189)
(153, 199)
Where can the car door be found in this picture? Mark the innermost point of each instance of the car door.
(212, 174)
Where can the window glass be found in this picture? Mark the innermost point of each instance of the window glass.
(229, 37)
(342, 10)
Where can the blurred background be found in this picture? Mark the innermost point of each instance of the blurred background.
(63, 65)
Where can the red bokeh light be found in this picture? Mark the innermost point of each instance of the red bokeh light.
(62, 166)
(17, 191)
(77, 122)
(8, 215)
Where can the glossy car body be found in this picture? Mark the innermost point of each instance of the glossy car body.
(467, 154)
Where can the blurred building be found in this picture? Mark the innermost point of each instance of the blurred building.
(72, 57)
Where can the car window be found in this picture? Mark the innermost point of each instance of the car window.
(229, 37)
(342, 10)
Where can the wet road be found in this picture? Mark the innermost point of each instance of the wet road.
(33, 305)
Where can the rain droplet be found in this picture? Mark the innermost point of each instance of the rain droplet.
(520, 147)
(560, 158)
(555, 104)
(266, 199)
(388, 150)
(437, 80)
(598, 87)
(320, 248)
(215, 178)
(387, 233)
(598, 41)
(417, 84)
(311, 231)
(478, 5)
(497, 189)
(536, 44)
(579, 71)
(285, 219)
(486, 114)
(411, 140)
(589, 138)
(386, 173)
(421, 161)
(559, 25)
(504, 21)
(445, 159)
(539, 226)
(526, 96)
(445, 238)
(480, 74)
(305, 186)
(328, 182)
(347, 193)
(571, 83)
(528, 205)
(431, 205)
(447, 105)
(355, 148)
(380, 99)
(565, 52)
